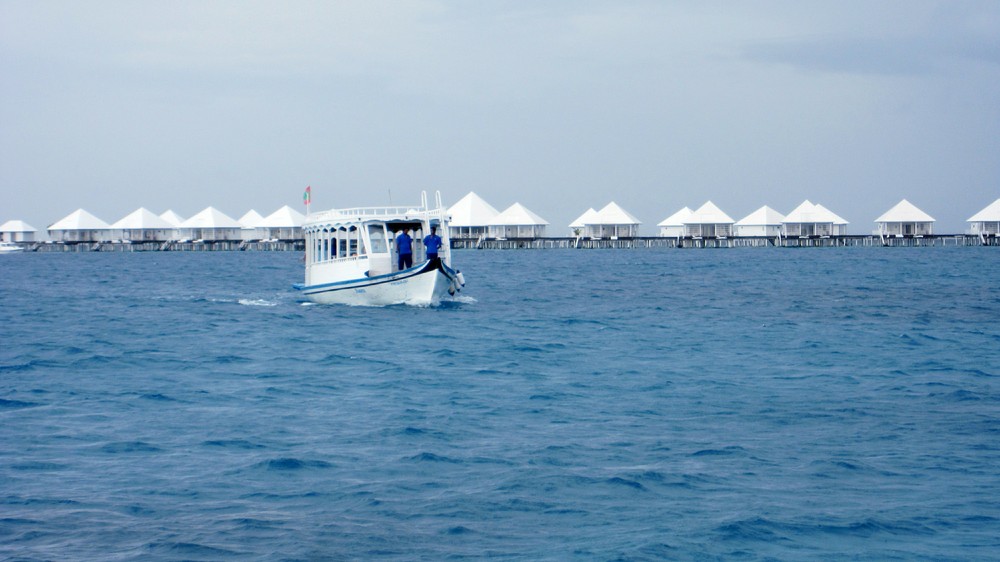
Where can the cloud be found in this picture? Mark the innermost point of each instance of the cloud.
(654, 104)
(929, 39)
(222, 36)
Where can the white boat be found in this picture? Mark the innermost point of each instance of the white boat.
(351, 257)
(9, 248)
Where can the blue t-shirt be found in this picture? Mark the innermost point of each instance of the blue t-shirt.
(404, 244)
(432, 243)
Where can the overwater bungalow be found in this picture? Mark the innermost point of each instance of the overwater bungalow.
(578, 226)
(986, 222)
(517, 221)
(175, 221)
(17, 231)
(173, 218)
(611, 222)
(284, 224)
(708, 222)
(905, 219)
(250, 226)
(142, 225)
(765, 221)
(809, 219)
(211, 225)
(79, 226)
(471, 217)
(673, 226)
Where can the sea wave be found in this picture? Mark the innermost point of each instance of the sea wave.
(595, 405)
(257, 302)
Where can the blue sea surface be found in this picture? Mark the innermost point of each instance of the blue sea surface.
(788, 404)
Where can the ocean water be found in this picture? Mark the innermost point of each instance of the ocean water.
(814, 404)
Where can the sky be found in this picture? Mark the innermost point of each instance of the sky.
(559, 105)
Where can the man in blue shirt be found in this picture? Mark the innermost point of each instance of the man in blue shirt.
(432, 244)
(404, 247)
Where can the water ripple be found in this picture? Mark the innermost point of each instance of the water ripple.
(818, 405)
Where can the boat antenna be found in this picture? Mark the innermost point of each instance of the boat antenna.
(390, 196)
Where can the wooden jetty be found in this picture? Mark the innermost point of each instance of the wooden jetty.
(170, 246)
(871, 240)
(639, 242)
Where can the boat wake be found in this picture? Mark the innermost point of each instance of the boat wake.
(256, 302)
(444, 303)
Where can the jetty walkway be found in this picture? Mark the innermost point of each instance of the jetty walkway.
(639, 242)
(201, 246)
(870, 240)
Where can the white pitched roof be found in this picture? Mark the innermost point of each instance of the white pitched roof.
(588, 217)
(16, 226)
(990, 214)
(173, 218)
(763, 216)
(251, 219)
(471, 210)
(678, 218)
(80, 220)
(709, 214)
(613, 214)
(828, 216)
(285, 217)
(802, 213)
(142, 219)
(904, 211)
(517, 215)
(210, 217)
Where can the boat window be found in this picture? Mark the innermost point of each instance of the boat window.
(376, 233)
(352, 242)
(342, 242)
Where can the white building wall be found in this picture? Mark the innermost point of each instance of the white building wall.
(517, 231)
(17, 236)
(708, 230)
(467, 232)
(758, 229)
(256, 233)
(80, 235)
(906, 228)
(794, 229)
(610, 231)
(285, 233)
(145, 234)
(986, 227)
(211, 234)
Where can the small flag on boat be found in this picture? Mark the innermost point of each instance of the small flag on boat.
(307, 196)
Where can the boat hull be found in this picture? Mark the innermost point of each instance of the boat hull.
(423, 285)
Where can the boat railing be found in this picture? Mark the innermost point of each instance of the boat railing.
(343, 259)
(368, 213)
